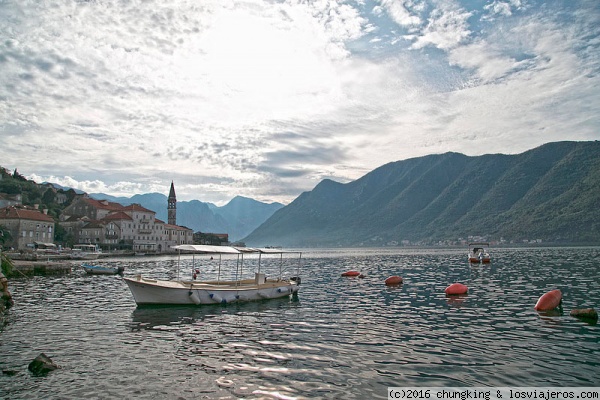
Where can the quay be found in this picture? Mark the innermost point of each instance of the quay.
(30, 268)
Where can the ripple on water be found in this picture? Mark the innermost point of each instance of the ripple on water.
(340, 338)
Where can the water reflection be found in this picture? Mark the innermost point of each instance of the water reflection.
(150, 316)
(340, 338)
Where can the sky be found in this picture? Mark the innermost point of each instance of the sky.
(265, 99)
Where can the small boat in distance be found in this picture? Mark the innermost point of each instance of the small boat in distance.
(147, 291)
(102, 269)
(478, 252)
(85, 252)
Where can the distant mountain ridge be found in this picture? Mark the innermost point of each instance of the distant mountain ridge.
(550, 193)
(238, 218)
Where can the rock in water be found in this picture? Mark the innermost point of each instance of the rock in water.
(585, 313)
(42, 365)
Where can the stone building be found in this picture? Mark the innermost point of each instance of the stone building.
(112, 225)
(27, 226)
(10, 200)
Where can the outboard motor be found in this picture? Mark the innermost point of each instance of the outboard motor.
(296, 279)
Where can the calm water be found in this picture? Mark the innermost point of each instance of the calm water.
(341, 338)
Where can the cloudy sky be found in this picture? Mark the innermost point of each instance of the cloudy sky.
(265, 99)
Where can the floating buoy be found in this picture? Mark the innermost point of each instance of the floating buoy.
(549, 301)
(351, 273)
(393, 280)
(585, 313)
(456, 288)
(216, 297)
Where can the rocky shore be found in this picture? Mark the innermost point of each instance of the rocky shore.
(6, 300)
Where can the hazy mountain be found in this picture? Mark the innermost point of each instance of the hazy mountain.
(238, 218)
(550, 193)
(243, 215)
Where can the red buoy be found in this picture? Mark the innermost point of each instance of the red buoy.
(549, 301)
(456, 288)
(351, 273)
(393, 280)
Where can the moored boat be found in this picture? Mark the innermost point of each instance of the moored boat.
(478, 252)
(102, 269)
(85, 252)
(147, 291)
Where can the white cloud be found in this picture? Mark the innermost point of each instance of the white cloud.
(500, 8)
(265, 99)
(447, 27)
(404, 13)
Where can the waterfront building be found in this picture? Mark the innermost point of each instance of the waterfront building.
(27, 226)
(112, 225)
(177, 235)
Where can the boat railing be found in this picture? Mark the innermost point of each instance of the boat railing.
(240, 256)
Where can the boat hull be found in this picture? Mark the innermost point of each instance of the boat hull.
(476, 260)
(99, 270)
(150, 291)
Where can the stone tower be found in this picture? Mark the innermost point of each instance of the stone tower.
(172, 206)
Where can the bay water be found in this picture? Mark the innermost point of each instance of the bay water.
(349, 338)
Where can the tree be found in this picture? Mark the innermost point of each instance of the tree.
(9, 186)
(48, 197)
(18, 176)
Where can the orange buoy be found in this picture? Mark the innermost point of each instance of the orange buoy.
(351, 273)
(549, 301)
(393, 280)
(456, 288)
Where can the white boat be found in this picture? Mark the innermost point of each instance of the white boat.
(478, 252)
(147, 291)
(102, 269)
(85, 252)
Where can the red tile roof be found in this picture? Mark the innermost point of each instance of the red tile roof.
(117, 216)
(23, 213)
(103, 204)
(93, 225)
(136, 207)
(177, 227)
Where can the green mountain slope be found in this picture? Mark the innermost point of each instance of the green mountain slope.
(550, 193)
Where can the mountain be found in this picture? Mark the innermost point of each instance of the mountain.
(243, 215)
(550, 193)
(238, 218)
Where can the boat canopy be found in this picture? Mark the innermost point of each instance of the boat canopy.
(208, 249)
(230, 250)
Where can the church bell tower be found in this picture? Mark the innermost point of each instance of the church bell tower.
(172, 206)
